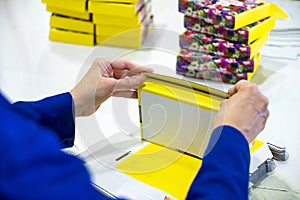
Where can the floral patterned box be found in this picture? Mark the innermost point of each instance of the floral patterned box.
(245, 34)
(208, 44)
(233, 14)
(215, 75)
(196, 61)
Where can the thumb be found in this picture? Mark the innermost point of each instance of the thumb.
(129, 83)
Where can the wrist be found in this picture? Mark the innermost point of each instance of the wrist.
(77, 102)
(241, 131)
(84, 104)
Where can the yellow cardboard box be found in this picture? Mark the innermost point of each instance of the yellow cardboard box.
(74, 5)
(70, 13)
(59, 35)
(126, 40)
(132, 38)
(115, 9)
(110, 30)
(71, 24)
(175, 116)
(116, 41)
(123, 21)
(120, 1)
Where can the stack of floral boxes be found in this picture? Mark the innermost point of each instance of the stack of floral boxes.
(223, 38)
(122, 23)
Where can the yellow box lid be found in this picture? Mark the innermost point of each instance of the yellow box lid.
(70, 13)
(258, 44)
(258, 13)
(74, 5)
(184, 91)
(261, 29)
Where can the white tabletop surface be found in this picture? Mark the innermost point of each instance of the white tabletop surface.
(32, 67)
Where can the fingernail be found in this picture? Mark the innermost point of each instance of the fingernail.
(143, 75)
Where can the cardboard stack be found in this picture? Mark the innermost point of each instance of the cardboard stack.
(223, 38)
(121, 23)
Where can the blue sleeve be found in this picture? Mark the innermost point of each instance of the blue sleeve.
(32, 164)
(55, 113)
(224, 173)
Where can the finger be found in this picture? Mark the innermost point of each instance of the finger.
(263, 103)
(123, 64)
(129, 83)
(133, 72)
(126, 94)
(104, 65)
(223, 102)
(262, 121)
(238, 86)
(138, 70)
(265, 115)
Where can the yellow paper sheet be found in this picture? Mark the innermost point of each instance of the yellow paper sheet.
(165, 169)
(162, 168)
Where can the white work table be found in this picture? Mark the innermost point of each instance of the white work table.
(32, 67)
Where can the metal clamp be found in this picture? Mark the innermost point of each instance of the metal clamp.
(279, 153)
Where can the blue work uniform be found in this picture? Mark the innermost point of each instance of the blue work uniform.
(32, 165)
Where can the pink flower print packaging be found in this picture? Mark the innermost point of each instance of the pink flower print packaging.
(231, 78)
(244, 35)
(215, 46)
(226, 13)
(197, 62)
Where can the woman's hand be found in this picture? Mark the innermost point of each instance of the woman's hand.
(105, 79)
(246, 110)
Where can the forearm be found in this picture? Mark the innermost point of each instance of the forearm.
(224, 173)
(54, 112)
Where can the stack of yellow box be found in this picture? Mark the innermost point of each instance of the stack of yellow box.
(122, 23)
